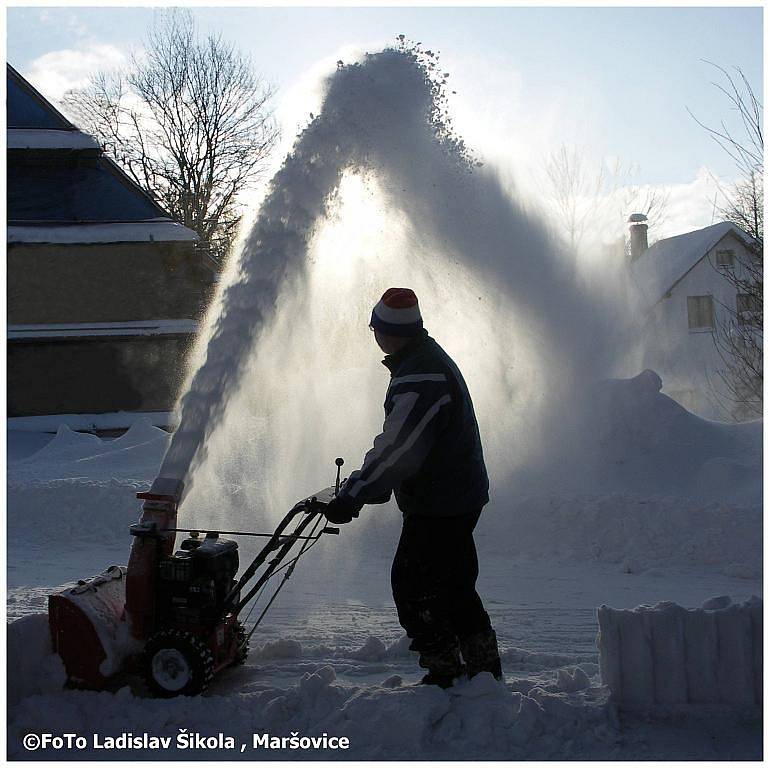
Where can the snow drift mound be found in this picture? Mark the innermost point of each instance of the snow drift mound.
(645, 442)
(33, 667)
(136, 454)
(69, 445)
(477, 718)
(641, 481)
(83, 488)
(73, 511)
(636, 532)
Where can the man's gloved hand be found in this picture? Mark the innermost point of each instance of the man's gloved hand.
(341, 509)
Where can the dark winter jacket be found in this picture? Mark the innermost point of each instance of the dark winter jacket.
(429, 452)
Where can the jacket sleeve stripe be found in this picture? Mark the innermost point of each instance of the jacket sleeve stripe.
(417, 377)
(403, 448)
(406, 411)
(403, 405)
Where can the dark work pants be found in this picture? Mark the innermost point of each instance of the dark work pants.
(434, 582)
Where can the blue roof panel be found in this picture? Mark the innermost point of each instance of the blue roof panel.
(25, 108)
(73, 191)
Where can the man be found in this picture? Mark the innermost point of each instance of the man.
(429, 453)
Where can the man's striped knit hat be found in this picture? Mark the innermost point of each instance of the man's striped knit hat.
(397, 313)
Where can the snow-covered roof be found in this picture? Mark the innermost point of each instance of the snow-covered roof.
(34, 138)
(130, 328)
(75, 196)
(666, 262)
(153, 231)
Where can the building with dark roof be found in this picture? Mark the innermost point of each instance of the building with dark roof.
(105, 290)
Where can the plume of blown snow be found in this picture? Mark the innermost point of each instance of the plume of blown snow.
(379, 191)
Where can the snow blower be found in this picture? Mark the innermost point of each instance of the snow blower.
(174, 616)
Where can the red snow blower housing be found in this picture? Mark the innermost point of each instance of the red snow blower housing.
(174, 615)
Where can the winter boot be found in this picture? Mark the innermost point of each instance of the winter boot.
(481, 655)
(444, 666)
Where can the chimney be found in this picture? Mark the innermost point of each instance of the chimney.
(638, 234)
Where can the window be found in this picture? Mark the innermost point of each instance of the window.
(747, 308)
(725, 258)
(700, 311)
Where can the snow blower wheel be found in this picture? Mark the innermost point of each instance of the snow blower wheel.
(177, 663)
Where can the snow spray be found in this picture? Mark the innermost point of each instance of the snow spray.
(378, 191)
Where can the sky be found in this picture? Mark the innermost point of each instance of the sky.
(615, 82)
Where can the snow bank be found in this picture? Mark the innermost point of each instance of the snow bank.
(373, 650)
(475, 718)
(92, 421)
(665, 657)
(644, 483)
(80, 488)
(628, 437)
(33, 667)
(72, 511)
(645, 442)
(70, 447)
(635, 531)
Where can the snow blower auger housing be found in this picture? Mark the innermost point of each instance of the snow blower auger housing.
(174, 616)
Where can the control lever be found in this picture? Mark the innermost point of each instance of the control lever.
(339, 462)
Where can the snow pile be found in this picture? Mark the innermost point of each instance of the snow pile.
(80, 454)
(33, 667)
(635, 531)
(648, 443)
(384, 721)
(75, 511)
(81, 488)
(644, 483)
(282, 648)
(373, 650)
(70, 446)
(89, 421)
(631, 438)
(665, 657)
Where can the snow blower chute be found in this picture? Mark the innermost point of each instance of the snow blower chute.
(174, 616)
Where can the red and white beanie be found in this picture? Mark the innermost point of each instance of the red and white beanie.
(397, 313)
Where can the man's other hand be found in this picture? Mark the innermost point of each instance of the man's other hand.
(341, 510)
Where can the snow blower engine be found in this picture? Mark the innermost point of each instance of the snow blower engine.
(175, 616)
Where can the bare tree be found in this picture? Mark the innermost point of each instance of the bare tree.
(575, 189)
(738, 334)
(583, 193)
(188, 121)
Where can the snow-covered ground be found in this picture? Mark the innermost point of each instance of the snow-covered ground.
(331, 657)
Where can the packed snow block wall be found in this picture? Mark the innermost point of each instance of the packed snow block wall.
(663, 657)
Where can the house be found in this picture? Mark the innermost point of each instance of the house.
(105, 291)
(687, 288)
